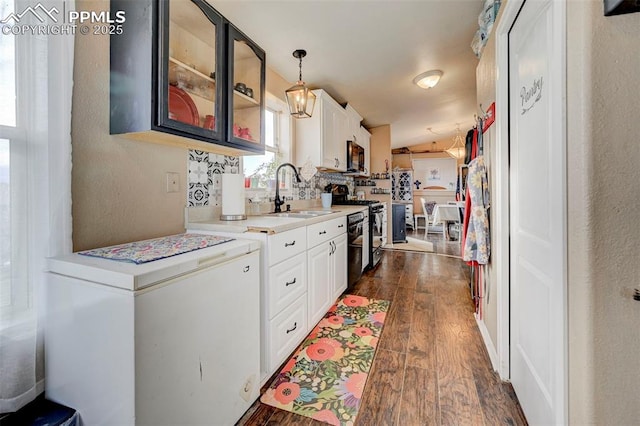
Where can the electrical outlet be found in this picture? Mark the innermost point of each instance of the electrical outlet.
(173, 182)
(247, 388)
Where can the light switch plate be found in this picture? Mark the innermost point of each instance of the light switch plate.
(173, 182)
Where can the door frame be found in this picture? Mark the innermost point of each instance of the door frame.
(508, 17)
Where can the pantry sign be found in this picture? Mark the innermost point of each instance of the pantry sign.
(52, 18)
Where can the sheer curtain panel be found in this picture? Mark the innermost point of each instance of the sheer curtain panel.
(36, 79)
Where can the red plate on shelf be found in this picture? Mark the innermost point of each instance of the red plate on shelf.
(182, 108)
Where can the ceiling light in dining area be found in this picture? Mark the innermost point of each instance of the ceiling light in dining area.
(428, 79)
(300, 99)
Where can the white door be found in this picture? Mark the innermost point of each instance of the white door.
(538, 211)
(339, 266)
(319, 280)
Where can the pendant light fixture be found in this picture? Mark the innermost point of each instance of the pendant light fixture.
(300, 99)
(457, 150)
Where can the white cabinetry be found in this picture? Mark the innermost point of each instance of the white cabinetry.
(327, 265)
(182, 350)
(321, 138)
(365, 142)
(355, 132)
(353, 124)
(338, 267)
(283, 293)
(408, 215)
(366, 243)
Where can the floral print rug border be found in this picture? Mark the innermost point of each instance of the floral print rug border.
(325, 378)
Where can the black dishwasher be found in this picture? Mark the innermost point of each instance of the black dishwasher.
(355, 222)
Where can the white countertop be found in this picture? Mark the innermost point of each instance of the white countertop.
(129, 276)
(268, 223)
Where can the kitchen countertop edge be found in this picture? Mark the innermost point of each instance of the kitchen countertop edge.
(279, 225)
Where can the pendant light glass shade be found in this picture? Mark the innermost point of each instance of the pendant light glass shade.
(300, 99)
(428, 79)
(457, 150)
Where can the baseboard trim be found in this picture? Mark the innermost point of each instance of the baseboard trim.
(491, 350)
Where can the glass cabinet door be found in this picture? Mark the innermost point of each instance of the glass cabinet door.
(190, 73)
(246, 90)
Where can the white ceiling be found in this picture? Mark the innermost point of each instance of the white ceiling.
(367, 52)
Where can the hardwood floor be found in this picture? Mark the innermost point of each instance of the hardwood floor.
(431, 366)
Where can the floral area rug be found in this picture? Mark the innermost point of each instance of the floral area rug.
(325, 379)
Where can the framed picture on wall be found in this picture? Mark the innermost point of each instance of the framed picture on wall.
(437, 173)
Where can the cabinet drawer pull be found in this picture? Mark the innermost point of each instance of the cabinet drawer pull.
(322, 232)
(246, 268)
(295, 325)
(290, 282)
(341, 226)
(290, 244)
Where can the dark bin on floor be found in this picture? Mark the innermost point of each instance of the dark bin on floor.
(42, 412)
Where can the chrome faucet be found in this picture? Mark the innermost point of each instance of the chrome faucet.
(278, 202)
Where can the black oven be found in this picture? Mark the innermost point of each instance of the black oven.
(355, 222)
(377, 220)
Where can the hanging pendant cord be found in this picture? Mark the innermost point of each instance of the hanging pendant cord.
(300, 79)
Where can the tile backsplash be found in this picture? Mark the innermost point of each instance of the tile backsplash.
(204, 181)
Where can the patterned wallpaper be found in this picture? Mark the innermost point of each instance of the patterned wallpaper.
(204, 181)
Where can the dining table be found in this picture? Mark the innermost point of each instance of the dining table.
(447, 214)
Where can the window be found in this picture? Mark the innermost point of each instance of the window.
(259, 170)
(14, 292)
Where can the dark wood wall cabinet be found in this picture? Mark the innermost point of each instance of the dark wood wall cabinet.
(182, 74)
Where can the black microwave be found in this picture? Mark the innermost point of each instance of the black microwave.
(355, 157)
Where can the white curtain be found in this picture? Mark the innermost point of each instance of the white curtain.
(45, 75)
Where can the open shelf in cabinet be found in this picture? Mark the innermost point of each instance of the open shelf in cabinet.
(191, 80)
(242, 101)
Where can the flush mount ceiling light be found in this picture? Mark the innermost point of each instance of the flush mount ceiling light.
(300, 99)
(428, 79)
(457, 150)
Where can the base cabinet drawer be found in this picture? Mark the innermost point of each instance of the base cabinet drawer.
(287, 282)
(286, 331)
(320, 232)
(284, 245)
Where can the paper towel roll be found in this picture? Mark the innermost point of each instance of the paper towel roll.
(232, 196)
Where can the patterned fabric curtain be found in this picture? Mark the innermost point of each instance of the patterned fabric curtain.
(41, 138)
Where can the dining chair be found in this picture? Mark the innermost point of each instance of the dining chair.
(418, 216)
(427, 212)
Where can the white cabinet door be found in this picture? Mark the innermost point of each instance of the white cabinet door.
(338, 267)
(196, 350)
(353, 124)
(365, 142)
(333, 130)
(319, 278)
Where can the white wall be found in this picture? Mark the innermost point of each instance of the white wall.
(603, 173)
(486, 93)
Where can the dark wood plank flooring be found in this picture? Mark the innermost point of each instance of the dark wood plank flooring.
(431, 366)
